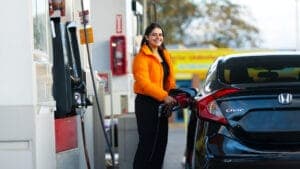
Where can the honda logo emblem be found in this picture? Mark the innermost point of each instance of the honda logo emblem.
(285, 98)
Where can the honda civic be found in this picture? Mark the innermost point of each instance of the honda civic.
(248, 113)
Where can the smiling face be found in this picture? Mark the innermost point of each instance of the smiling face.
(155, 38)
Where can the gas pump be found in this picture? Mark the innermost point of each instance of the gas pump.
(69, 89)
(44, 91)
(62, 91)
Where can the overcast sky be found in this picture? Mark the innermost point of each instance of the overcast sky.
(276, 20)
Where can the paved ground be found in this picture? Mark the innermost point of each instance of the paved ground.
(175, 149)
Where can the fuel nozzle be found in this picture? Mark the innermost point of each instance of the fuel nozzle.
(184, 98)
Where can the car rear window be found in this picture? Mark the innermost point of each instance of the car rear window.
(261, 69)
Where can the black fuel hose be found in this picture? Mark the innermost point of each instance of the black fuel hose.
(156, 132)
(165, 111)
(88, 164)
(94, 87)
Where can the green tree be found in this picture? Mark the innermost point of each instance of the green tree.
(219, 23)
(223, 24)
(173, 15)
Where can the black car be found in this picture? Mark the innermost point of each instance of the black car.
(248, 114)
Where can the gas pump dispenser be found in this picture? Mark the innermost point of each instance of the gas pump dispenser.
(62, 91)
(70, 93)
(44, 92)
(69, 87)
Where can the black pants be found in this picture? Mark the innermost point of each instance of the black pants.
(153, 134)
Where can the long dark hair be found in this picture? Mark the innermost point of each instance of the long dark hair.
(148, 30)
(161, 48)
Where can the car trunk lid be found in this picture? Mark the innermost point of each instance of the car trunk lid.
(263, 116)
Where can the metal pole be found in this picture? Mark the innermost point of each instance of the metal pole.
(297, 26)
(112, 126)
(145, 15)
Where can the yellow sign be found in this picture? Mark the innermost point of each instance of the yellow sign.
(195, 61)
(90, 35)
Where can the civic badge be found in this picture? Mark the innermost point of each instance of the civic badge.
(285, 98)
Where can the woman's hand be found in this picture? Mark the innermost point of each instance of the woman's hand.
(169, 100)
(169, 103)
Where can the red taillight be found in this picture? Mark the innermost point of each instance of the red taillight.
(208, 108)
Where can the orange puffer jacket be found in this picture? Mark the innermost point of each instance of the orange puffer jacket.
(148, 74)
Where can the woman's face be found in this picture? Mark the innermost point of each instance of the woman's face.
(155, 38)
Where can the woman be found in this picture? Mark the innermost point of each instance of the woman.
(154, 77)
